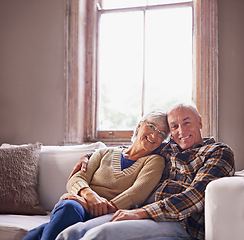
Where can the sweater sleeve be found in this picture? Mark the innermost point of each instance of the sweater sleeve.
(146, 181)
(180, 206)
(81, 179)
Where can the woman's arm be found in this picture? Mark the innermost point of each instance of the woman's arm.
(77, 198)
(79, 183)
(81, 179)
(97, 205)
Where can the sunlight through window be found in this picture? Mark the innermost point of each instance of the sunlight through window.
(144, 61)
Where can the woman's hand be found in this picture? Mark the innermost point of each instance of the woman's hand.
(134, 214)
(97, 205)
(77, 198)
(81, 165)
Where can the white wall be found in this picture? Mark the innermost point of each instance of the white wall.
(32, 86)
(231, 76)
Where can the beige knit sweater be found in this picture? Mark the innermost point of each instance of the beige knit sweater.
(126, 188)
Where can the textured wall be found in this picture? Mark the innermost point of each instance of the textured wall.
(231, 76)
(32, 86)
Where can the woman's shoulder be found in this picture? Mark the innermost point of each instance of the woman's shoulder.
(155, 159)
(109, 150)
(155, 156)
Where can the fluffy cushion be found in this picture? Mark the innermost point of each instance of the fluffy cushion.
(18, 178)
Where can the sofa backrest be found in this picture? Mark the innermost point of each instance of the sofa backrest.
(55, 166)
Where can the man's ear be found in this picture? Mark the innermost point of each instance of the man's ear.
(200, 122)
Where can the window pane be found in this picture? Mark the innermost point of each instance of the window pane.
(112, 4)
(160, 2)
(168, 57)
(120, 70)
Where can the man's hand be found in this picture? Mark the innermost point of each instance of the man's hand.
(81, 165)
(77, 198)
(97, 205)
(134, 214)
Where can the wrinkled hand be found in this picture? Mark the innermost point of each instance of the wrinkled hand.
(77, 198)
(97, 205)
(81, 165)
(134, 214)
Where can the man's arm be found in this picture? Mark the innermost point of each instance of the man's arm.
(135, 214)
(81, 165)
(220, 163)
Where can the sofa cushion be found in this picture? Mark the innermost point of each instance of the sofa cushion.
(15, 227)
(56, 164)
(19, 179)
(239, 173)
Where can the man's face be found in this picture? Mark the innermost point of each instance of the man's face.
(185, 127)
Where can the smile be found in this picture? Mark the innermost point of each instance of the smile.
(149, 140)
(184, 138)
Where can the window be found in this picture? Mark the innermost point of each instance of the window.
(200, 77)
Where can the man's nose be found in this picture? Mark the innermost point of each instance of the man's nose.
(180, 129)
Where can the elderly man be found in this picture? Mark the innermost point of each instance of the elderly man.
(175, 210)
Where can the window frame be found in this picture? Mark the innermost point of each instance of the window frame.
(80, 72)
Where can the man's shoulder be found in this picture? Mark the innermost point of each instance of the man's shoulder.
(209, 145)
(221, 152)
(212, 145)
(160, 148)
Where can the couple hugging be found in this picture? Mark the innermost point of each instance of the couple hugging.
(153, 189)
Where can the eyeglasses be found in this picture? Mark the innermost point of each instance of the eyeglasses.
(153, 128)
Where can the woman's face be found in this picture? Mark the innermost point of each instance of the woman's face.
(150, 136)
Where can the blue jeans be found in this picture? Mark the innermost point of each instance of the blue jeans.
(64, 214)
(101, 229)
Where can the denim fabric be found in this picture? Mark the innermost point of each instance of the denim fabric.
(64, 214)
(78, 230)
(124, 230)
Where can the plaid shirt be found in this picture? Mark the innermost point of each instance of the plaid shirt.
(180, 195)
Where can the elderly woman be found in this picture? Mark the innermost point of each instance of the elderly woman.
(116, 178)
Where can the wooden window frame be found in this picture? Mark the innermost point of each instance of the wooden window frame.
(80, 71)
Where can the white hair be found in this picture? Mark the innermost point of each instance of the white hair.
(159, 118)
(190, 106)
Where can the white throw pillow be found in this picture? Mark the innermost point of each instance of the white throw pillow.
(55, 166)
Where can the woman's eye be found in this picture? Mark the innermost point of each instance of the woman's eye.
(152, 127)
(161, 134)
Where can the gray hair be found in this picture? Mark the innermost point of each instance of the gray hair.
(159, 118)
(190, 106)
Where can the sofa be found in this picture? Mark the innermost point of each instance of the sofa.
(224, 208)
(40, 184)
(39, 174)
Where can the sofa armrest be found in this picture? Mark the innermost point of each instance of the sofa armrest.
(224, 209)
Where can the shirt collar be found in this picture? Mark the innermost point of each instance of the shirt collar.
(176, 148)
